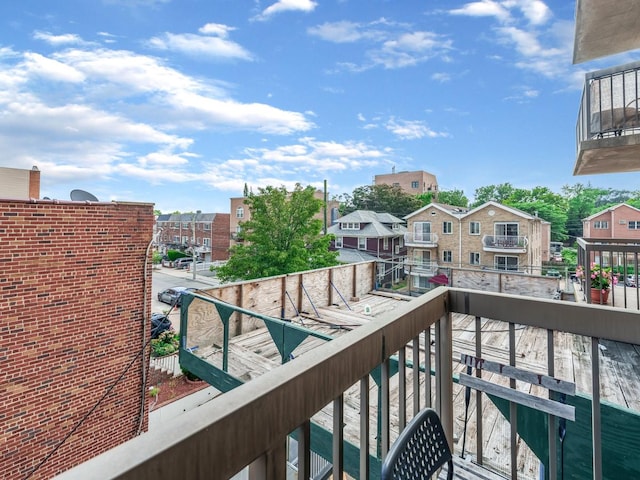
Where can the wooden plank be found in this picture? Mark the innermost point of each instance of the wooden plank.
(543, 404)
(516, 373)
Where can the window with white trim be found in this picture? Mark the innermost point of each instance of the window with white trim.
(447, 227)
(185, 239)
(206, 242)
(206, 226)
(176, 239)
(447, 256)
(503, 262)
(474, 258)
(415, 184)
(185, 224)
(362, 243)
(338, 242)
(240, 212)
(633, 225)
(350, 226)
(601, 225)
(474, 228)
(385, 243)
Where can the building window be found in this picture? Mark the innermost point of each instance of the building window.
(474, 228)
(474, 258)
(506, 263)
(362, 243)
(422, 231)
(350, 226)
(206, 242)
(601, 225)
(633, 225)
(415, 184)
(385, 243)
(396, 184)
(447, 256)
(176, 224)
(338, 242)
(397, 250)
(185, 240)
(401, 242)
(240, 212)
(185, 224)
(176, 239)
(206, 226)
(447, 227)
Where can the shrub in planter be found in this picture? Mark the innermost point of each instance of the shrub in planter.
(189, 376)
(166, 343)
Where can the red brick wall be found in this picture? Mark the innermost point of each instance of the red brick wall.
(73, 288)
(220, 239)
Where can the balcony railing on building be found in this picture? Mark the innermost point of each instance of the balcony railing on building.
(609, 121)
(347, 398)
(421, 239)
(422, 268)
(505, 243)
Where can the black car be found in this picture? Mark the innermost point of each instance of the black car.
(159, 323)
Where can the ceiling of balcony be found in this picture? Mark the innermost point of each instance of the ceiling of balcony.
(605, 27)
(608, 155)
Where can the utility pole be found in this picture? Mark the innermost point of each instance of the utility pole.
(193, 244)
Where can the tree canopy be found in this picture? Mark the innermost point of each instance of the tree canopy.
(380, 198)
(282, 236)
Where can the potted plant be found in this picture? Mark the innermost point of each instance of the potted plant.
(600, 281)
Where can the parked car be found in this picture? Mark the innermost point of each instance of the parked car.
(182, 262)
(557, 257)
(173, 295)
(552, 272)
(159, 323)
(631, 281)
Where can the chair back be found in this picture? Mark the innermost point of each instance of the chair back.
(420, 450)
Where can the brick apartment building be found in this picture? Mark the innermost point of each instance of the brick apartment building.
(492, 236)
(621, 221)
(414, 183)
(75, 293)
(211, 238)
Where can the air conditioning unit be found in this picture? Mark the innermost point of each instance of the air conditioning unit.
(622, 222)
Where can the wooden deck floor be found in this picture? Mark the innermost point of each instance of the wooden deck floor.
(254, 353)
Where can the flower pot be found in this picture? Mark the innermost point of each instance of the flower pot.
(599, 296)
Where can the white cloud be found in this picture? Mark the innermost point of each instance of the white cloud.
(198, 45)
(213, 43)
(286, 6)
(483, 8)
(412, 129)
(51, 69)
(59, 40)
(441, 77)
(339, 32)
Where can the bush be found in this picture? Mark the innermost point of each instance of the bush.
(166, 343)
(189, 375)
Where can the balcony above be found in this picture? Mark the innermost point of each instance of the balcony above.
(413, 239)
(605, 27)
(608, 128)
(421, 269)
(505, 243)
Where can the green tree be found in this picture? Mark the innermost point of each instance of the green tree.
(582, 202)
(555, 214)
(282, 236)
(453, 197)
(382, 199)
(497, 193)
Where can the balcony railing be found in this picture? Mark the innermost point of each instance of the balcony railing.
(421, 268)
(249, 426)
(505, 243)
(608, 120)
(420, 239)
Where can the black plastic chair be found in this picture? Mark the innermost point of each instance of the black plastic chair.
(420, 450)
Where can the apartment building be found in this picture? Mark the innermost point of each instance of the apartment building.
(621, 221)
(414, 183)
(491, 236)
(207, 233)
(75, 303)
(240, 212)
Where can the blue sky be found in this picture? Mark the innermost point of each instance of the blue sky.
(182, 102)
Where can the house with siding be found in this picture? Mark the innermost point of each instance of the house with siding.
(491, 236)
(379, 235)
(621, 221)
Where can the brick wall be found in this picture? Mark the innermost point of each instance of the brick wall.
(73, 292)
(220, 239)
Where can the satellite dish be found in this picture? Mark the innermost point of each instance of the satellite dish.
(82, 196)
(46, 198)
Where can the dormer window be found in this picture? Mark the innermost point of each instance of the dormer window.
(350, 226)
